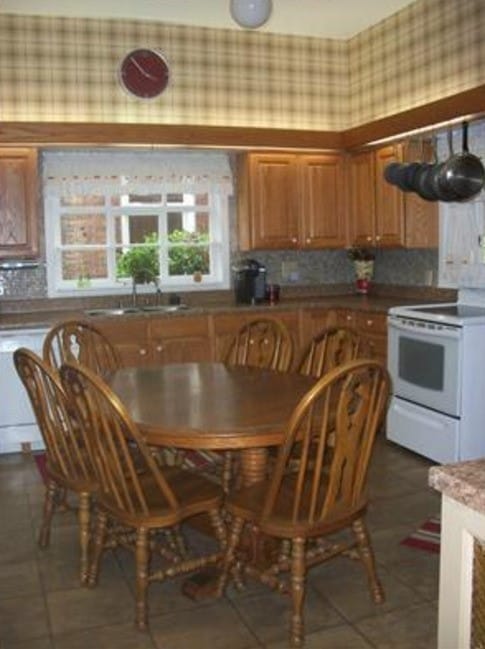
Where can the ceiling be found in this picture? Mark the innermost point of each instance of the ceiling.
(340, 19)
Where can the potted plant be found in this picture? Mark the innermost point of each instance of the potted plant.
(140, 263)
(363, 260)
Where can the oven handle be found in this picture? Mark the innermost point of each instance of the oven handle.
(450, 332)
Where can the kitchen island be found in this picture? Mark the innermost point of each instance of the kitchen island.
(461, 622)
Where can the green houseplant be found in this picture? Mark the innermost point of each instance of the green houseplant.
(140, 263)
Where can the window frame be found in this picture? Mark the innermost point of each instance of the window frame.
(217, 208)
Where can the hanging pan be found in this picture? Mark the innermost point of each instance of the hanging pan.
(422, 180)
(463, 173)
(440, 188)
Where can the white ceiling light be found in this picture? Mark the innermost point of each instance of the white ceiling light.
(251, 13)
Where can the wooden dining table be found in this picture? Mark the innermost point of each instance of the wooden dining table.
(212, 406)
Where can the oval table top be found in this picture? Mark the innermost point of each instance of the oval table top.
(209, 405)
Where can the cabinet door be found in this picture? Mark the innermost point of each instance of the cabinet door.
(373, 326)
(129, 336)
(362, 199)
(18, 203)
(389, 230)
(322, 201)
(268, 214)
(180, 339)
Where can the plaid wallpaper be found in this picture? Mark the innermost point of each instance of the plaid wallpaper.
(65, 69)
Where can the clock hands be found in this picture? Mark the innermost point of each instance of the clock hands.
(144, 72)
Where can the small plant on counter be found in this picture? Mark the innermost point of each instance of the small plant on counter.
(360, 254)
(140, 263)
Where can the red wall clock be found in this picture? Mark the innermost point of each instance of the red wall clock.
(144, 73)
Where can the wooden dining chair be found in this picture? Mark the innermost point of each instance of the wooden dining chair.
(141, 496)
(261, 342)
(326, 494)
(68, 463)
(330, 348)
(80, 341)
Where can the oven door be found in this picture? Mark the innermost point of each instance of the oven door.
(424, 360)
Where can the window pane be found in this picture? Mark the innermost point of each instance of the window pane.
(144, 199)
(83, 265)
(188, 253)
(136, 228)
(78, 229)
(190, 222)
(141, 263)
(86, 201)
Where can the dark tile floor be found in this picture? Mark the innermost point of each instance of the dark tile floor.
(42, 605)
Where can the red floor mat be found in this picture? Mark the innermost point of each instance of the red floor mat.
(427, 537)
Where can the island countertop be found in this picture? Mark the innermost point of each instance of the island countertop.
(461, 481)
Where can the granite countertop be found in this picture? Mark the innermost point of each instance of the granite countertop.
(44, 313)
(462, 481)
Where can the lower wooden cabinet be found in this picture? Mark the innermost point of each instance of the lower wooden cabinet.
(149, 341)
(179, 339)
(130, 337)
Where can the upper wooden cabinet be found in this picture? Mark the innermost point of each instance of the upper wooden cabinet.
(18, 203)
(382, 215)
(291, 200)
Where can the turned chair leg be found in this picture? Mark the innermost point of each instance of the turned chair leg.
(366, 555)
(141, 586)
(297, 591)
(99, 541)
(230, 554)
(47, 514)
(84, 516)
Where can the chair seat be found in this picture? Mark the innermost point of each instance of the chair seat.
(248, 504)
(194, 493)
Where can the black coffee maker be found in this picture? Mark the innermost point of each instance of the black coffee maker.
(250, 282)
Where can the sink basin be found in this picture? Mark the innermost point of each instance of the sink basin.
(114, 311)
(170, 308)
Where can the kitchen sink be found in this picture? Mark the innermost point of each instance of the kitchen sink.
(169, 308)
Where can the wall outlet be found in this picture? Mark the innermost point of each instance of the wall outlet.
(289, 271)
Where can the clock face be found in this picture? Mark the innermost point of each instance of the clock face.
(144, 73)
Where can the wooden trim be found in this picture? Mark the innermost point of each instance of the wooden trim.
(467, 103)
(89, 134)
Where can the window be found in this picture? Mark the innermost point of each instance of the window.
(150, 217)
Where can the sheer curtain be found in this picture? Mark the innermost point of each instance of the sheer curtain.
(84, 172)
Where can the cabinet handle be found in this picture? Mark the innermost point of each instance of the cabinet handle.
(159, 348)
(294, 240)
(369, 239)
(348, 318)
(378, 237)
(308, 240)
(370, 323)
(143, 352)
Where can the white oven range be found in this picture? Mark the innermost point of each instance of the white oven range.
(436, 358)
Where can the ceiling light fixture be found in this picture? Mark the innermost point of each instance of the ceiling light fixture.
(251, 13)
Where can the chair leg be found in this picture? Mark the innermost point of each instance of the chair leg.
(366, 555)
(141, 560)
(229, 556)
(297, 591)
(48, 512)
(227, 462)
(219, 527)
(84, 516)
(99, 541)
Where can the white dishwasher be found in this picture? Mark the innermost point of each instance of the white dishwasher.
(18, 428)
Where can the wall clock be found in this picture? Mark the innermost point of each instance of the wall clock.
(144, 73)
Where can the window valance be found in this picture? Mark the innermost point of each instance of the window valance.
(74, 172)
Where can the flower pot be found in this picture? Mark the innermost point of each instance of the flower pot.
(362, 285)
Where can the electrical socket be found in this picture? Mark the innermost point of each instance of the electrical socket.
(289, 270)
